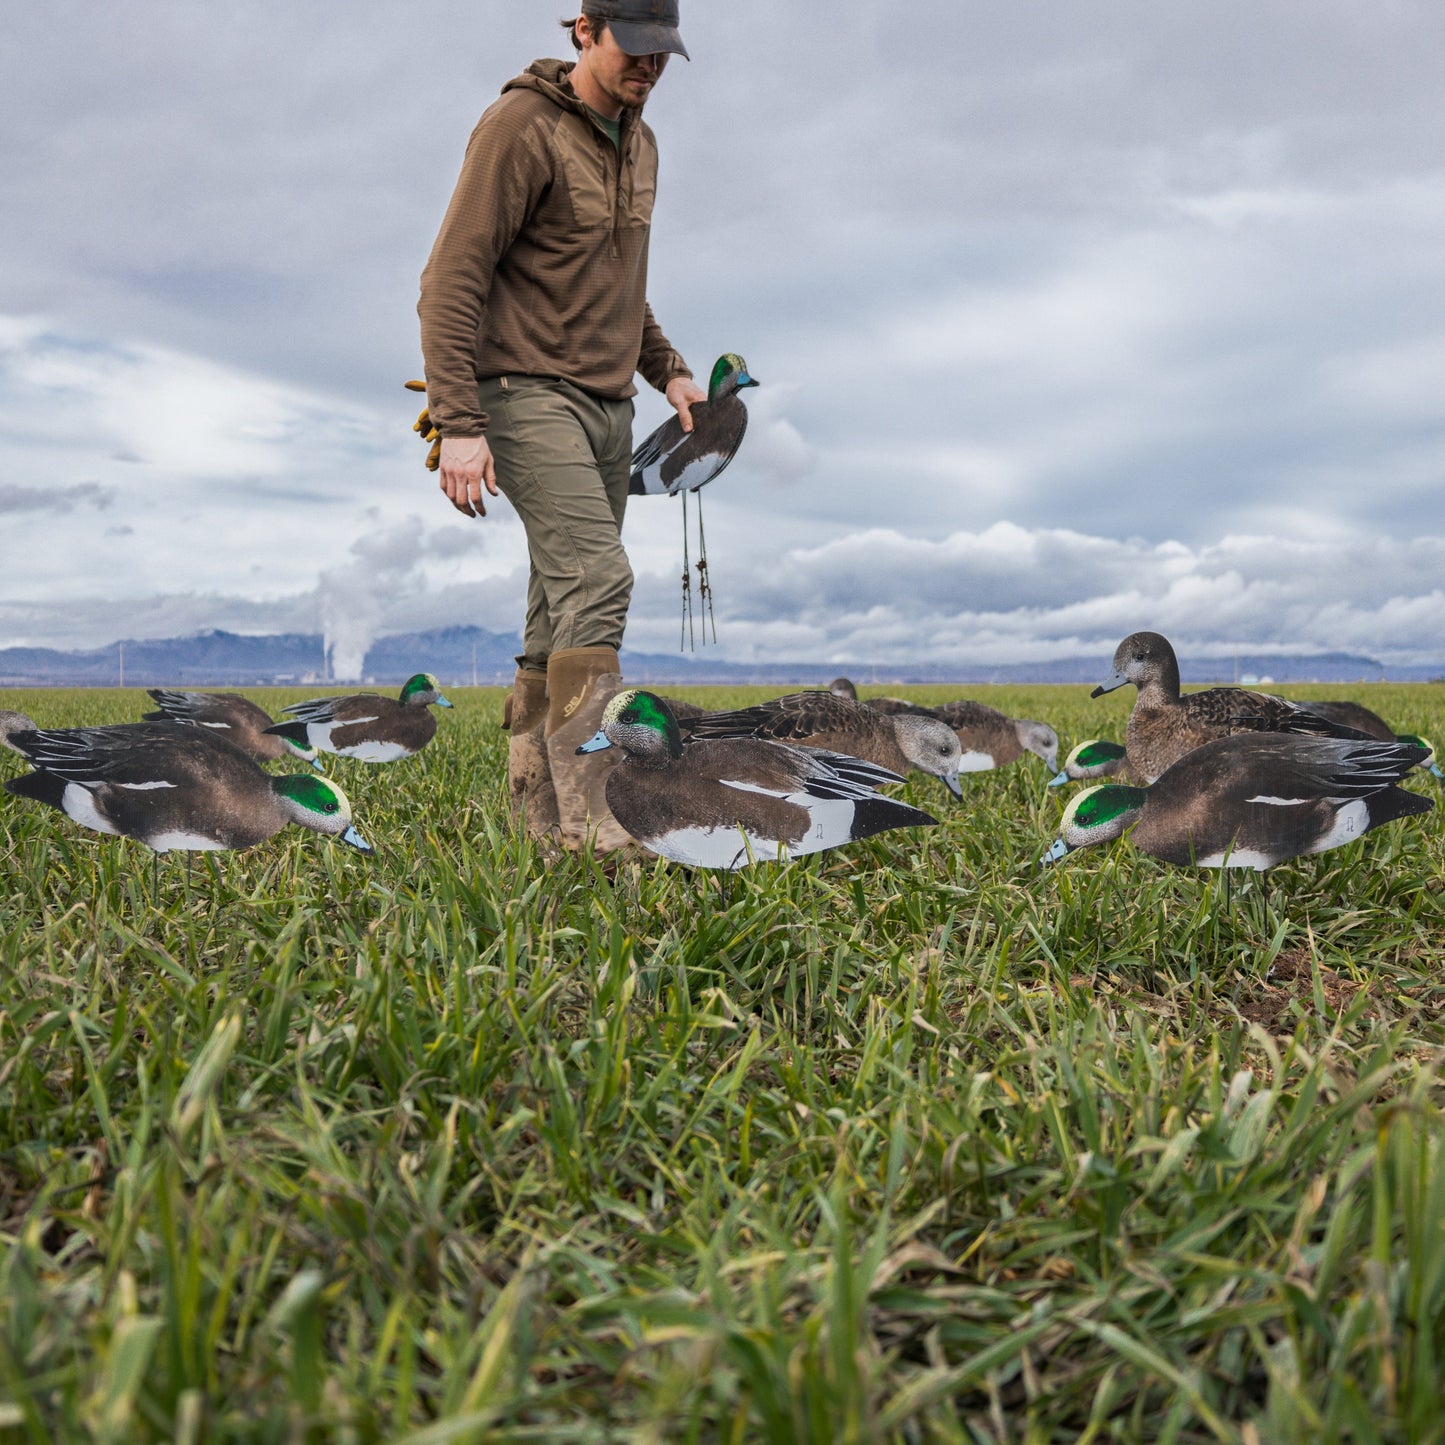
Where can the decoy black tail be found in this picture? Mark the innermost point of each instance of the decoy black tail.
(294, 732)
(1391, 803)
(877, 815)
(40, 786)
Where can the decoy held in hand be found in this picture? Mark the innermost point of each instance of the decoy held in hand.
(366, 725)
(822, 720)
(13, 722)
(173, 786)
(1164, 726)
(988, 738)
(723, 803)
(1251, 801)
(1097, 758)
(233, 717)
(672, 460)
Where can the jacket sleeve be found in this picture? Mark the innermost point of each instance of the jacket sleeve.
(657, 362)
(506, 170)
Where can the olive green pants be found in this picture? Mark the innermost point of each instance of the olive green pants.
(563, 461)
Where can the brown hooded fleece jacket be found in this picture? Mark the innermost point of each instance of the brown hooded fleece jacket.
(540, 267)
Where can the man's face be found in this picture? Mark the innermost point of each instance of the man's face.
(626, 79)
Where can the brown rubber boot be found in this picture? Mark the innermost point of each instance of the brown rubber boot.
(532, 797)
(581, 681)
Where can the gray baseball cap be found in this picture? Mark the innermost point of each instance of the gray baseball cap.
(641, 27)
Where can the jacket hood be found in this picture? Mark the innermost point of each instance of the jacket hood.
(549, 78)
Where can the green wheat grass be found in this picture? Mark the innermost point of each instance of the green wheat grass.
(913, 1142)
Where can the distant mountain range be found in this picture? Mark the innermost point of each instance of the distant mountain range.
(462, 655)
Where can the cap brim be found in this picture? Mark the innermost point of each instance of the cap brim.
(648, 39)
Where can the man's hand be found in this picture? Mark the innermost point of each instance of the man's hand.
(466, 463)
(681, 392)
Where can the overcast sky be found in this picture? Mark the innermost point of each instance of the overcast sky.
(1071, 319)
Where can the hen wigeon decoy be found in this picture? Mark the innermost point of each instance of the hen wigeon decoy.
(230, 716)
(171, 786)
(1251, 801)
(988, 738)
(1164, 726)
(723, 803)
(672, 460)
(1096, 758)
(366, 725)
(822, 720)
(13, 722)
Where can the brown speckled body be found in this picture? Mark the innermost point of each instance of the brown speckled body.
(810, 719)
(1164, 726)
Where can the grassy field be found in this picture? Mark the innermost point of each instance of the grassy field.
(912, 1142)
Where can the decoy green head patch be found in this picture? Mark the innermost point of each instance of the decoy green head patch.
(729, 373)
(636, 719)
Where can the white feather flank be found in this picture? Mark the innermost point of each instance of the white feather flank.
(694, 473)
(185, 842)
(1238, 858)
(830, 823)
(712, 847)
(1278, 802)
(972, 762)
(1352, 821)
(79, 803)
(142, 787)
(373, 752)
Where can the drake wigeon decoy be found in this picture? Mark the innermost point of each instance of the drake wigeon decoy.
(366, 725)
(723, 803)
(230, 716)
(1356, 715)
(672, 460)
(1251, 801)
(173, 786)
(988, 738)
(821, 720)
(1096, 758)
(13, 722)
(1164, 726)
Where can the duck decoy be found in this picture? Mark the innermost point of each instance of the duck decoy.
(1251, 801)
(726, 802)
(988, 738)
(1096, 758)
(366, 725)
(677, 462)
(231, 716)
(1164, 726)
(13, 722)
(671, 460)
(821, 720)
(171, 786)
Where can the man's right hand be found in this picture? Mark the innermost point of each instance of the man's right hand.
(466, 464)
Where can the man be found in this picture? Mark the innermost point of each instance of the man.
(534, 318)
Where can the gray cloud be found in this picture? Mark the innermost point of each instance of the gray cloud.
(54, 499)
(1036, 299)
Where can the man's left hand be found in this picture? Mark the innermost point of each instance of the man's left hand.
(681, 392)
